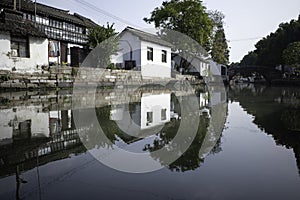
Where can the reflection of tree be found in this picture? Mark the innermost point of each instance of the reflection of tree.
(276, 112)
(190, 160)
(109, 127)
(92, 137)
(291, 119)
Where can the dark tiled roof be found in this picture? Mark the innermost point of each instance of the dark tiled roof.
(18, 27)
(48, 11)
(88, 22)
(22, 28)
(148, 37)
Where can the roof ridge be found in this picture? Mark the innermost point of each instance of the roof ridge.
(144, 32)
(147, 36)
(58, 9)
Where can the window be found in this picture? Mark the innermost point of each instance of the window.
(19, 47)
(149, 118)
(163, 114)
(37, 20)
(149, 53)
(163, 56)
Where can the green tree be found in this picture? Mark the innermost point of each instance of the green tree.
(99, 34)
(219, 49)
(291, 55)
(270, 49)
(104, 42)
(249, 59)
(185, 16)
(192, 25)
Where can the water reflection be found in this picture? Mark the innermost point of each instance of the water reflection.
(38, 128)
(152, 124)
(276, 111)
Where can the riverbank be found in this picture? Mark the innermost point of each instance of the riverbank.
(56, 78)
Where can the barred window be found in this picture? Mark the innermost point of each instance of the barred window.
(19, 47)
(150, 53)
(149, 118)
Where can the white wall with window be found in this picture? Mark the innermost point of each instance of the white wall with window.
(22, 54)
(155, 60)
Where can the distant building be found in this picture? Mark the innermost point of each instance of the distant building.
(198, 65)
(32, 35)
(143, 51)
(218, 72)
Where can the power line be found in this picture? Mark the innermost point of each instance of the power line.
(108, 14)
(245, 39)
(103, 12)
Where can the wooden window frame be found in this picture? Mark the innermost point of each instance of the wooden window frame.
(19, 47)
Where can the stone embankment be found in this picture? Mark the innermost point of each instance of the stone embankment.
(66, 77)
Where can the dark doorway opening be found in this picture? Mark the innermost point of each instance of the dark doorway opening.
(130, 64)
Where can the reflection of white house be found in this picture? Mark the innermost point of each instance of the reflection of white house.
(22, 121)
(217, 96)
(154, 110)
(31, 122)
(144, 51)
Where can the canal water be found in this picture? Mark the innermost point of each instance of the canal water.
(246, 144)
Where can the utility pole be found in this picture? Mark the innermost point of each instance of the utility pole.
(35, 13)
(15, 4)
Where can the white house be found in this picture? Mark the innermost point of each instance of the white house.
(218, 71)
(198, 66)
(143, 51)
(22, 46)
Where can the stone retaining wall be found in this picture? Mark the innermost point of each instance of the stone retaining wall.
(64, 77)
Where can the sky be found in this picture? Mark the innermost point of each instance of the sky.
(246, 21)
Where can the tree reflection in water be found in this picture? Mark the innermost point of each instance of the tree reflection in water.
(276, 111)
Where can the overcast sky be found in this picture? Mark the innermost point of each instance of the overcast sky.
(246, 20)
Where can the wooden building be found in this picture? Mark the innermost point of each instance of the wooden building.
(66, 34)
